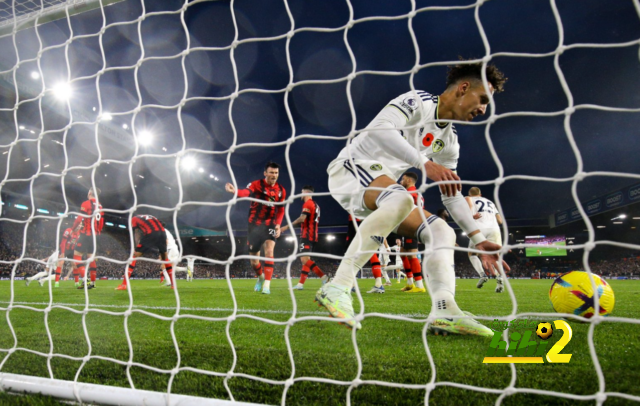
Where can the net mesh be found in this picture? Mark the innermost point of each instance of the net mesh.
(93, 122)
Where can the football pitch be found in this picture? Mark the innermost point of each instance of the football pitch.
(390, 350)
(546, 251)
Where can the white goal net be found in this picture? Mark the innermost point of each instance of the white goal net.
(159, 104)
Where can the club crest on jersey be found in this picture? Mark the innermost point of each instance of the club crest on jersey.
(376, 167)
(438, 145)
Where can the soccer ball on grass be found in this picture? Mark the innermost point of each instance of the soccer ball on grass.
(573, 293)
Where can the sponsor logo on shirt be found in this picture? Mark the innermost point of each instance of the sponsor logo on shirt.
(409, 104)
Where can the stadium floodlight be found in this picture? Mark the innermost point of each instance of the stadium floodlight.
(60, 214)
(331, 237)
(21, 127)
(188, 163)
(27, 159)
(43, 211)
(20, 206)
(290, 239)
(46, 166)
(122, 226)
(463, 233)
(106, 117)
(618, 222)
(602, 226)
(35, 75)
(145, 137)
(216, 178)
(124, 126)
(62, 91)
(211, 176)
(201, 170)
(108, 223)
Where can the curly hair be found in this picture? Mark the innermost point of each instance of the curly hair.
(474, 71)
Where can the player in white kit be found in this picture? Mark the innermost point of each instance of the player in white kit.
(489, 221)
(173, 254)
(48, 273)
(397, 266)
(410, 132)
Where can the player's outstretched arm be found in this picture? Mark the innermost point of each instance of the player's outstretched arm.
(490, 262)
(297, 221)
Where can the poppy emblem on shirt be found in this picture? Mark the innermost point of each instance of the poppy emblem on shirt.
(427, 140)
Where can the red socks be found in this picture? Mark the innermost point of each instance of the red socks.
(93, 271)
(416, 269)
(58, 272)
(407, 266)
(375, 266)
(268, 269)
(258, 269)
(313, 267)
(132, 267)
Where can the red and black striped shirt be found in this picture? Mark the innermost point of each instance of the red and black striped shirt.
(147, 224)
(310, 224)
(266, 213)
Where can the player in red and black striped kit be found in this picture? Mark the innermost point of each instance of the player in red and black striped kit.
(264, 221)
(67, 247)
(149, 236)
(310, 220)
(89, 226)
(411, 263)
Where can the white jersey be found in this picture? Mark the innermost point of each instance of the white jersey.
(190, 262)
(52, 261)
(488, 211)
(433, 141)
(171, 242)
(396, 251)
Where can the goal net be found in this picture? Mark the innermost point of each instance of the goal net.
(160, 104)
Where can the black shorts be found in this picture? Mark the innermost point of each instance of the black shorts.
(409, 243)
(258, 234)
(68, 254)
(156, 240)
(85, 244)
(306, 246)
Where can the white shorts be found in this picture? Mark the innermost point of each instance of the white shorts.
(347, 183)
(492, 234)
(173, 254)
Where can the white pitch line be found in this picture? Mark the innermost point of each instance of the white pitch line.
(200, 309)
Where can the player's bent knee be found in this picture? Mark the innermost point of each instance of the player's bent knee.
(396, 198)
(443, 233)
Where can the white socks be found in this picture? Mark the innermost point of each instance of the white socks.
(38, 276)
(378, 282)
(166, 276)
(394, 205)
(477, 265)
(440, 265)
(386, 276)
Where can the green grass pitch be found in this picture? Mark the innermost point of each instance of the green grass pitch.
(390, 350)
(554, 251)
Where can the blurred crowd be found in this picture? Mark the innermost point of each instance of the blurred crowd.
(115, 245)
